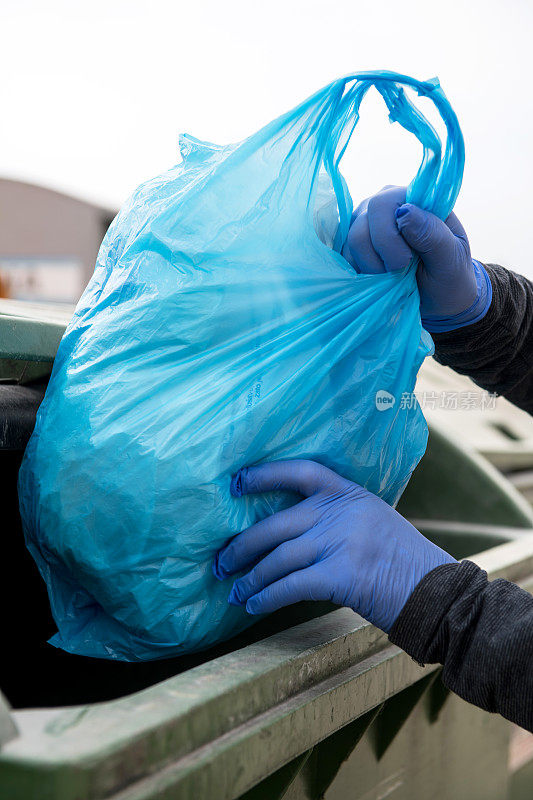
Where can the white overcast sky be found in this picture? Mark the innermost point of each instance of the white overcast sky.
(94, 94)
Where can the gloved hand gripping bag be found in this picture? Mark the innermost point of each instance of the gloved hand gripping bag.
(219, 331)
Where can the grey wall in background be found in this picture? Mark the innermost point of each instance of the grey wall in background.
(42, 225)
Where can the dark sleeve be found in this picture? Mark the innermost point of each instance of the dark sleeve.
(497, 351)
(481, 631)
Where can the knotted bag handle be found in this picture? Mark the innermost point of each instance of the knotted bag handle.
(436, 184)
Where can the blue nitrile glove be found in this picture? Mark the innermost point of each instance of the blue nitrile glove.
(454, 289)
(341, 543)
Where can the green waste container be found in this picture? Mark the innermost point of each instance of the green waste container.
(312, 702)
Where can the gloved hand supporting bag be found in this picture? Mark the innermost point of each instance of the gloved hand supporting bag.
(219, 331)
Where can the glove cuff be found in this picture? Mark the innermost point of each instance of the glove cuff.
(474, 313)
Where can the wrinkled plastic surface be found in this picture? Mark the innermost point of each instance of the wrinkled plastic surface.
(220, 330)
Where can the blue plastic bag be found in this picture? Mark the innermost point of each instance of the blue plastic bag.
(217, 331)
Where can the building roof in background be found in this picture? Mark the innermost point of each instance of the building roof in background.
(21, 185)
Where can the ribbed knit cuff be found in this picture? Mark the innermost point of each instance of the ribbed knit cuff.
(416, 628)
